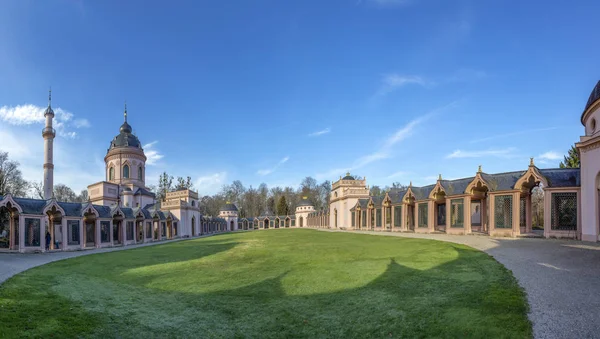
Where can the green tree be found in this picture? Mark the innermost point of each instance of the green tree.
(184, 184)
(165, 185)
(282, 206)
(11, 179)
(571, 159)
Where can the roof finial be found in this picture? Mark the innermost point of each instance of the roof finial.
(531, 162)
(410, 184)
(479, 169)
(125, 114)
(440, 177)
(50, 96)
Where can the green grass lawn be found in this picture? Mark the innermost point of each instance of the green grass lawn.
(270, 284)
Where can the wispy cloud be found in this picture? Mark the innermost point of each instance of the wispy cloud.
(34, 115)
(550, 156)
(512, 134)
(268, 171)
(393, 81)
(499, 153)
(319, 133)
(210, 183)
(152, 154)
(385, 151)
(398, 174)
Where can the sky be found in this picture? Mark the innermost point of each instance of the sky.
(274, 91)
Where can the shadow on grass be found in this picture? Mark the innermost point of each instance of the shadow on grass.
(471, 296)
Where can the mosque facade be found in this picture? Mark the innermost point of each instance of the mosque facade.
(123, 211)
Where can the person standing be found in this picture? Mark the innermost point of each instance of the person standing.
(48, 239)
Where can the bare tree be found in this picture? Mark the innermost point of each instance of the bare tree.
(11, 179)
(537, 206)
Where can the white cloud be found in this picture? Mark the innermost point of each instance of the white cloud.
(211, 183)
(268, 171)
(398, 174)
(152, 154)
(393, 81)
(550, 156)
(385, 151)
(499, 153)
(34, 115)
(319, 133)
(505, 135)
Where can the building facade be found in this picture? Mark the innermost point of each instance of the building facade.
(122, 210)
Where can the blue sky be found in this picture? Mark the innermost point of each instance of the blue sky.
(273, 91)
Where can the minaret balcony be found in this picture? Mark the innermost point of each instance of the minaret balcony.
(48, 131)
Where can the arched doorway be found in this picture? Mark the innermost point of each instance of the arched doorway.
(54, 228)
(231, 226)
(301, 222)
(89, 222)
(118, 229)
(193, 226)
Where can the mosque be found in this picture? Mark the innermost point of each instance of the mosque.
(123, 211)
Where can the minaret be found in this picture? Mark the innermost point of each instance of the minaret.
(48, 133)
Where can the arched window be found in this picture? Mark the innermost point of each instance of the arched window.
(126, 171)
(140, 172)
(111, 173)
(193, 203)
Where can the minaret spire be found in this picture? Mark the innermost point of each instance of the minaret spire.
(50, 97)
(125, 114)
(48, 133)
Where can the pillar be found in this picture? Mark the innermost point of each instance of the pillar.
(11, 230)
(65, 234)
(110, 233)
(21, 233)
(97, 238)
(484, 223)
(82, 233)
(431, 216)
(43, 234)
(528, 214)
(516, 222)
(448, 214)
(467, 216)
(492, 226)
(404, 218)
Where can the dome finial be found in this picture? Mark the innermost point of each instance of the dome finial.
(125, 114)
(50, 97)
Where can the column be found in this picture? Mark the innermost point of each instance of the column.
(82, 233)
(528, 214)
(484, 224)
(516, 222)
(11, 229)
(467, 216)
(110, 231)
(52, 235)
(431, 216)
(43, 234)
(403, 218)
(491, 225)
(448, 214)
(124, 232)
(65, 234)
(97, 234)
(21, 233)
(416, 218)
(135, 233)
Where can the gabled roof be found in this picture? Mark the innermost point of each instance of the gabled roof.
(562, 177)
(144, 192)
(396, 196)
(103, 211)
(502, 181)
(72, 209)
(145, 212)
(422, 193)
(31, 206)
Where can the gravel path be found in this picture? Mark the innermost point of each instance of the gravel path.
(561, 277)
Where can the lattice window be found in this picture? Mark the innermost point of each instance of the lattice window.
(105, 231)
(457, 219)
(397, 216)
(564, 211)
(503, 211)
(523, 212)
(423, 210)
(378, 217)
(353, 219)
(364, 218)
(441, 214)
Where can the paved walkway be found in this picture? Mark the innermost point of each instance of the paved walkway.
(561, 278)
